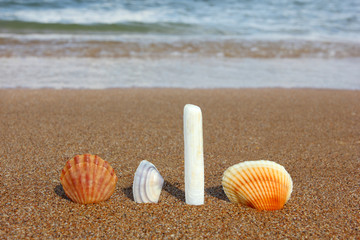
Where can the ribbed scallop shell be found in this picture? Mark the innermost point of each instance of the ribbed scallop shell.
(147, 183)
(264, 185)
(88, 179)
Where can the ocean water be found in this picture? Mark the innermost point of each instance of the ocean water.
(167, 43)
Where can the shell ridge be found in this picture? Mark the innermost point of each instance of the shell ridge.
(136, 184)
(67, 184)
(112, 180)
(245, 180)
(93, 177)
(280, 195)
(281, 189)
(147, 183)
(151, 191)
(274, 183)
(286, 185)
(83, 173)
(143, 194)
(235, 184)
(290, 188)
(74, 179)
(142, 191)
(72, 183)
(262, 184)
(135, 190)
(246, 187)
(80, 184)
(243, 188)
(99, 180)
(249, 188)
(76, 159)
(86, 180)
(96, 182)
(227, 181)
(251, 192)
(277, 184)
(267, 185)
(260, 190)
(237, 198)
(149, 177)
(270, 183)
(274, 186)
(106, 190)
(290, 184)
(155, 185)
(102, 182)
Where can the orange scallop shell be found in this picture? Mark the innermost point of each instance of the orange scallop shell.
(88, 179)
(264, 185)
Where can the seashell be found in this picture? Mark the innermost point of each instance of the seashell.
(264, 185)
(88, 179)
(147, 183)
(193, 155)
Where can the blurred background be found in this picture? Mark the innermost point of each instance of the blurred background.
(190, 44)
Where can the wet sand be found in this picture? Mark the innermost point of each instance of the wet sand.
(154, 47)
(314, 134)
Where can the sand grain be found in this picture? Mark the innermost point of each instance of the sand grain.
(314, 134)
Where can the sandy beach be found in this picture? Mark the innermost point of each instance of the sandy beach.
(314, 134)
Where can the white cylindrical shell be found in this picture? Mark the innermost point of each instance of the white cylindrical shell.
(147, 183)
(194, 157)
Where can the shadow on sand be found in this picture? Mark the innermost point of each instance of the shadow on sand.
(217, 192)
(60, 192)
(175, 191)
(170, 188)
(128, 192)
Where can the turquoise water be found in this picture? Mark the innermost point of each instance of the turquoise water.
(282, 18)
(161, 28)
(167, 43)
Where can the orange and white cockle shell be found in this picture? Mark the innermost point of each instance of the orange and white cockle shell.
(264, 185)
(88, 179)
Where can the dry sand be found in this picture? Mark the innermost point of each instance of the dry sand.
(314, 134)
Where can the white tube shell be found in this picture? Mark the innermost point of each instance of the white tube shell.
(194, 156)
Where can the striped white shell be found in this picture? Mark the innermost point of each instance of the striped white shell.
(88, 179)
(147, 183)
(264, 185)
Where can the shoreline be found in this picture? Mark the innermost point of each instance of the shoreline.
(313, 133)
(177, 72)
(168, 46)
